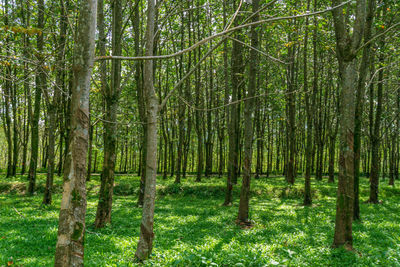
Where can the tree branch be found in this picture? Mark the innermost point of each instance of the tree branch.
(209, 38)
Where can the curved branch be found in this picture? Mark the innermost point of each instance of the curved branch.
(209, 38)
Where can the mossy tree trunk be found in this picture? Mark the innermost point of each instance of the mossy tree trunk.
(71, 228)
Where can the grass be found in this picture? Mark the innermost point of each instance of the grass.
(193, 229)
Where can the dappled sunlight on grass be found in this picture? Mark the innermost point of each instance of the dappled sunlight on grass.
(192, 228)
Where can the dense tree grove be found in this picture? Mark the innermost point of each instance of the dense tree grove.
(239, 89)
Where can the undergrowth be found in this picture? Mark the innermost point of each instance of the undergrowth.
(192, 228)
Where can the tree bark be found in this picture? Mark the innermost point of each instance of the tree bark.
(91, 126)
(346, 54)
(360, 106)
(243, 214)
(145, 244)
(53, 107)
(234, 116)
(309, 112)
(181, 112)
(27, 115)
(71, 228)
(40, 85)
(7, 99)
(111, 96)
(376, 138)
(290, 171)
(15, 127)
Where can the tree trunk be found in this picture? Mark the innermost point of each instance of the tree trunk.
(27, 119)
(40, 85)
(141, 104)
(332, 146)
(290, 172)
(360, 107)
(181, 112)
(71, 229)
(376, 138)
(243, 214)
(145, 244)
(53, 107)
(15, 127)
(234, 116)
(346, 55)
(309, 112)
(89, 168)
(209, 131)
(317, 106)
(112, 93)
(199, 120)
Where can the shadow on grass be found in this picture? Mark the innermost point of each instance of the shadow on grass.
(193, 229)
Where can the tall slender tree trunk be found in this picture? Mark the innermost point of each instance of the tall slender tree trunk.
(199, 121)
(40, 85)
(209, 130)
(181, 112)
(112, 93)
(15, 127)
(396, 144)
(308, 153)
(346, 54)
(53, 107)
(226, 78)
(316, 153)
(91, 126)
(27, 119)
(376, 138)
(332, 146)
(234, 118)
(290, 171)
(243, 214)
(360, 107)
(71, 228)
(188, 94)
(7, 99)
(145, 244)
(141, 104)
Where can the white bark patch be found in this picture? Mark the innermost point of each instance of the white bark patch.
(66, 198)
(63, 240)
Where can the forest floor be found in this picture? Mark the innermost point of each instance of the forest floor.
(193, 229)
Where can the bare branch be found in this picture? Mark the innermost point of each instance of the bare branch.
(228, 31)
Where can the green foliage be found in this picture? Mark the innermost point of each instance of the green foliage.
(193, 229)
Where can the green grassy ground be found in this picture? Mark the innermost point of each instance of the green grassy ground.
(193, 229)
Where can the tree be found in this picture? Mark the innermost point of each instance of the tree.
(71, 227)
(376, 126)
(111, 97)
(290, 169)
(234, 116)
(53, 104)
(365, 62)
(309, 112)
(40, 86)
(145, 244)
(347, 45)
(243, 215)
